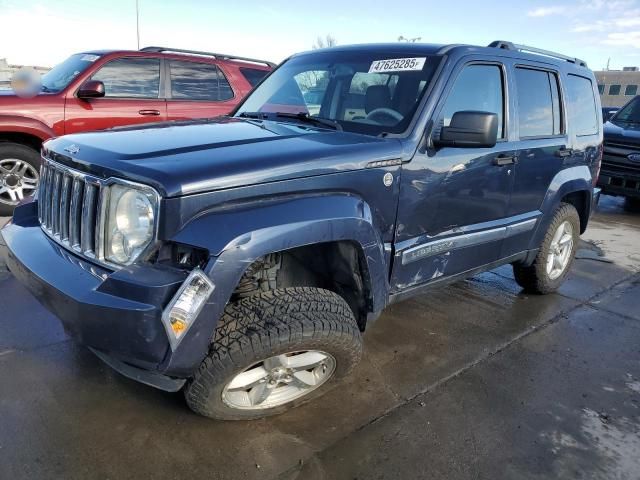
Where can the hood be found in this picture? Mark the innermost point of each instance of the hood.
(198, 156)
(626, 133)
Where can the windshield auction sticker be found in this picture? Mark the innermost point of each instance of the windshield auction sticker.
(397, 65)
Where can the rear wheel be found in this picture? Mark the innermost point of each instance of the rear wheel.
(274, 351)
(19, 175)
(555, 256)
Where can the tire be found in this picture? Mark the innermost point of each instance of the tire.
(10, 155)
(270, 324)
(536, 278)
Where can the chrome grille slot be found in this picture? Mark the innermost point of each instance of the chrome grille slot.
(88, 224)
(75, 213)
(68, 202)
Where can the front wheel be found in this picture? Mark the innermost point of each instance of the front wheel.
(274, 351)
(19, 175)
(555, 256)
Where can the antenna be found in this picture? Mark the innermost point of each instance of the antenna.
(138, 24)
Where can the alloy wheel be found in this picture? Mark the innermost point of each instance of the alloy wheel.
(18, 179)
(279, 380)
(560, 250)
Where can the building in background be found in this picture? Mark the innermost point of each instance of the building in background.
(617, 87)
(7, 70)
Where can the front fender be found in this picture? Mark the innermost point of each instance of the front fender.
(238, 237)
(30, 126)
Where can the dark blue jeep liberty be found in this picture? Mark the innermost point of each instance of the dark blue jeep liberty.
(240, 258)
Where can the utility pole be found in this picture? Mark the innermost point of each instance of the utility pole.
(138, 24)
(608, 63)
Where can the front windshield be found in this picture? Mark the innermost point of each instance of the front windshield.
(630, 113)
(364, 92)
(61, 75)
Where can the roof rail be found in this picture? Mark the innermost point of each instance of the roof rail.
(538, 51)
(222, 56)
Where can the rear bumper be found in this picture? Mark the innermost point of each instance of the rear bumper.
(117, 313)
(595, 199)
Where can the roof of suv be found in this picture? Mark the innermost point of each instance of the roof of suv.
(499, 47)
(181, 53)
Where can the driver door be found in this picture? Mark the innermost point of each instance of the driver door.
(454, 200)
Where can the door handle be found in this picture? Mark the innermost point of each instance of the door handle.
(502, 160)
(153, 113)
(564, 152)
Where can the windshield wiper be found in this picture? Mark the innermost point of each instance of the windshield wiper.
(305, 117)
(258, 115)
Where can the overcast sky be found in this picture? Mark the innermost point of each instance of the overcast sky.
(36, 32)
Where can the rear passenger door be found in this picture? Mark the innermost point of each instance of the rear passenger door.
(543, 145)
(197, 90)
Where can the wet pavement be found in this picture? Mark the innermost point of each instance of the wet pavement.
(473, 380)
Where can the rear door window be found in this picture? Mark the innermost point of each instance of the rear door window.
(198, 81)
(479, 88)
(130, 78)
(538, 98)
(582, 105)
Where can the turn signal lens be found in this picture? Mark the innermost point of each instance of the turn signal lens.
(186, 305)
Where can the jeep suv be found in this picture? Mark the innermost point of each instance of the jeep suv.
(621, 161)
(101, 89)
(241, 258)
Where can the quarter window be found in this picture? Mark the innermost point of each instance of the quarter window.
(601, 89)
(478, 88)
(198, 81)
(582, 105)
(538, 103)
(614, 89)
(253, 75)
(631, 90)
(130, 77)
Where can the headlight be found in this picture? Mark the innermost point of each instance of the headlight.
(130, 222)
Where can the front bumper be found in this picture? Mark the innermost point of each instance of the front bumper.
(117, 313)
(613, 182)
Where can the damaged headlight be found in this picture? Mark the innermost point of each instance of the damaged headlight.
(131, 212)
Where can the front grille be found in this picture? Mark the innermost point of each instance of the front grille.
(68, 207)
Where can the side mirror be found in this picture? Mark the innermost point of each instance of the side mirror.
(470, 129)
(91, 89)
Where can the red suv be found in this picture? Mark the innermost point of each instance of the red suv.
(102, 89)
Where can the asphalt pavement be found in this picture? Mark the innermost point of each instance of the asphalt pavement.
(471, 381)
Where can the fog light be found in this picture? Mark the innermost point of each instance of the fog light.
(186, 305)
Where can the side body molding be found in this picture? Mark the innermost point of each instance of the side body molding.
(236, 237)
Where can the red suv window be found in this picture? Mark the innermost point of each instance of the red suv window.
(198, 81)
(131, 78)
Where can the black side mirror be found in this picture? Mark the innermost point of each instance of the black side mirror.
(91, 89)
(470, 129)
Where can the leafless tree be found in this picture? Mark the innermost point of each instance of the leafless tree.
(402, 38)
(326, 42)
